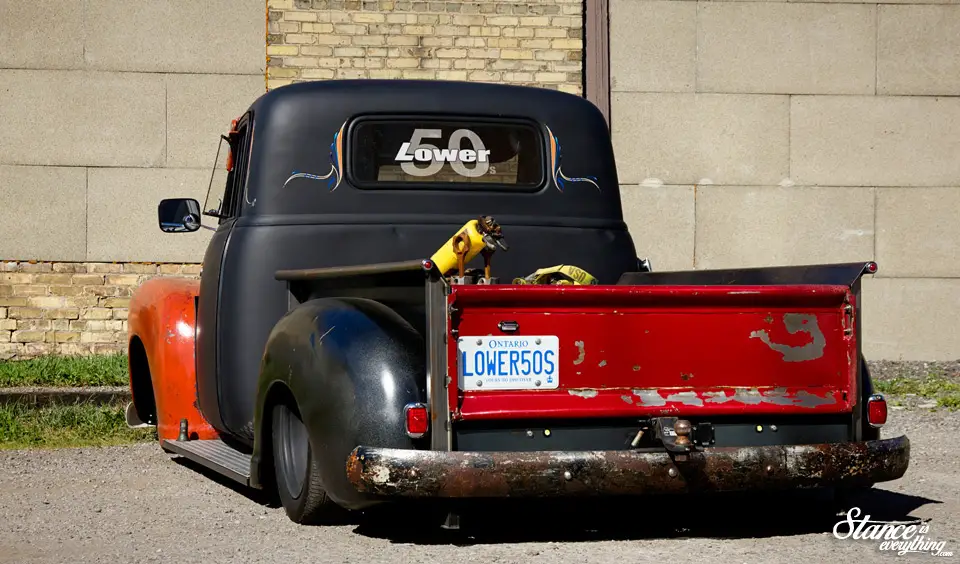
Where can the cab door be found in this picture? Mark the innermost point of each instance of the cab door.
(227, 211)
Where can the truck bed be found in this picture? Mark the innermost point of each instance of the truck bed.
(662, 383)
(780, 342)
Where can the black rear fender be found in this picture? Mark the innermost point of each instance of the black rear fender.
(351, 365)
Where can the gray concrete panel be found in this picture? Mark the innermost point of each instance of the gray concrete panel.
(43, 213)
(875, 140)
(919, 50)
(122, 214)
(779, 48)
(861, 1)
(41, 34)
(661, 220)
(700, 138)
(655, 46)
(212, 36)
(79, 118)
(911, 318)
(199, 109)
(918, 232)
(768, 226)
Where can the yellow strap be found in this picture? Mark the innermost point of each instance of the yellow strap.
(562, 274)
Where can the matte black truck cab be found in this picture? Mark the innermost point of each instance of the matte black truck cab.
(298, 200)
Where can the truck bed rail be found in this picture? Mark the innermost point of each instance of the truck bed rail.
(846, 274)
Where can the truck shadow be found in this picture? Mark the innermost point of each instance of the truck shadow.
(261, 497)
(720, 516)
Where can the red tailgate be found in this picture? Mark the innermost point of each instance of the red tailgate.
(628, 351)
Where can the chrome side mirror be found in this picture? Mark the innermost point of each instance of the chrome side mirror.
(179, 215)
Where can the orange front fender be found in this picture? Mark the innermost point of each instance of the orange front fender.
(162, 322)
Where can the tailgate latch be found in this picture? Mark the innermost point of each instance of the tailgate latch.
(675, 434)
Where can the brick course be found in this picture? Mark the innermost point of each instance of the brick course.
(71, 308)
(534, 43)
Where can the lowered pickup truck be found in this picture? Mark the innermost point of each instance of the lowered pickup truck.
(340, 348)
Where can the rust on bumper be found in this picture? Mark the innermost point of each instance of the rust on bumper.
(422, 473)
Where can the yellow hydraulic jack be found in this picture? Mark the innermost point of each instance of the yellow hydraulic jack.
(478, 236)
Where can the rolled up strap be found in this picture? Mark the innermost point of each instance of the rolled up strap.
(562, 274)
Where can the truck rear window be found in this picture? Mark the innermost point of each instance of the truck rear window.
(402, 152)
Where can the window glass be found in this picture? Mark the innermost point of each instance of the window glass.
(238, 178)
(402, 153)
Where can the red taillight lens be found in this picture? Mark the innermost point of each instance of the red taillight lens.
(416, 419)
(876, 410)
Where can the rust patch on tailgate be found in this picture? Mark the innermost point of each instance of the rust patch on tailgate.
(797, 323)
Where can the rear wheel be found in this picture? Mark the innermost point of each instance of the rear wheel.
(296, 471)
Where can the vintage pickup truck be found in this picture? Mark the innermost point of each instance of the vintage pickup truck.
(346, 346)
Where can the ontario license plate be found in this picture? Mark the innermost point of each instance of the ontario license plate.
(509, 363)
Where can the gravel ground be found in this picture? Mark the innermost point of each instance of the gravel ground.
(887, 369)
(136, 504)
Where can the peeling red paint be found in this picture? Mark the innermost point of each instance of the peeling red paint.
(700, 349)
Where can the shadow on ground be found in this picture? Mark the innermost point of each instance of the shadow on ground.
(726, 516)
(733, 516)
(261, 497)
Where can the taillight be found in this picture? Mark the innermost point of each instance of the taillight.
(416, 419)
(876, 410)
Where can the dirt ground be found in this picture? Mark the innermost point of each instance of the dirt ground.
(137, 504)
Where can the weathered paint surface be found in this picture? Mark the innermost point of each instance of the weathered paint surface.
(670, 349)
(417, 473)
(162, 318)
(795, 323)
(582, 352)
(636, 402)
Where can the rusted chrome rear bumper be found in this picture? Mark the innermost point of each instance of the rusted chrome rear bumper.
(421, 473)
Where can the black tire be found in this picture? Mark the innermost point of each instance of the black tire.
(296, 472)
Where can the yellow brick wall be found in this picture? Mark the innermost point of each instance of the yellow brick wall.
(535, 43)
(71, 308)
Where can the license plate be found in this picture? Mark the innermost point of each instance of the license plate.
(509, 363)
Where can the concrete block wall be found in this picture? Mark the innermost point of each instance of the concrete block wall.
(536, 42)
(769, 132)
(108, 106)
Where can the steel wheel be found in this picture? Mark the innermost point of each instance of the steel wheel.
(297, 475)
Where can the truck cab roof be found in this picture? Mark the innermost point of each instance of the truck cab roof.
(327, 151)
